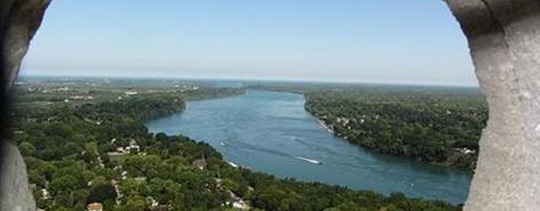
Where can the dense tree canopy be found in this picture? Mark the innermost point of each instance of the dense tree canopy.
(435, 126)
(78, 154)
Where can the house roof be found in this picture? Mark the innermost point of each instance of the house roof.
(94, 206)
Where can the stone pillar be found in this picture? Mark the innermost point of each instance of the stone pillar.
(19, 20)
(504, 42)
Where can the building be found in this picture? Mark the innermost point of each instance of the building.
(81, 97)
(199, 163)
(95, 206)
(133, 146)
(130, 93)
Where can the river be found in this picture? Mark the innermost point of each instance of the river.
(271, 132)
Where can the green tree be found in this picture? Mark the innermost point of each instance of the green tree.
(27, 149)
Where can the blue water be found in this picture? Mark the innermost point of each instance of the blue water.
(269, 131)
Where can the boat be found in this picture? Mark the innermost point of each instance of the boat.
(232, 164)
(310, 160)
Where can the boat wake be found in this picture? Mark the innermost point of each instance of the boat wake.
(309, 160)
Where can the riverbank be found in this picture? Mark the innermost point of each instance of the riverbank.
(440, 129)
(268, 131)
(454, 160)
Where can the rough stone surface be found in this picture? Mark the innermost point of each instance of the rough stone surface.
(14, 190)
(19, 20)
(504, 41)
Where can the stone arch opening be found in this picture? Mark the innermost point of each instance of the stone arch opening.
(504, 44)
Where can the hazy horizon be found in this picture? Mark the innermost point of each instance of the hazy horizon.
(246, 80)
(383, 42)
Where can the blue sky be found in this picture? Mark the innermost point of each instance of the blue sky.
(377, 41)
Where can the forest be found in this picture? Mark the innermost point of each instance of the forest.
(83, 152)
(440, 126)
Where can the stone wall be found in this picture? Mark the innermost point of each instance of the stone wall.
(19, 20)
(504, 43)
